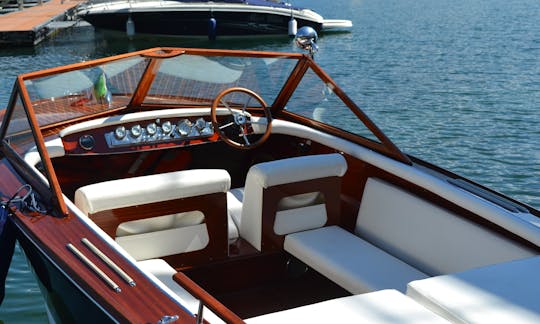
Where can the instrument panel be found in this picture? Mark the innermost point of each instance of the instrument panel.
(158, 131)
(140, 135)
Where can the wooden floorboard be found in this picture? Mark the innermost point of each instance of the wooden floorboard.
(264, 284)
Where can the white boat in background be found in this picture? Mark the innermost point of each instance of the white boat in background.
(205, 18)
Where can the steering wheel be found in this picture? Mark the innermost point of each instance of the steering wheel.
(236, 127)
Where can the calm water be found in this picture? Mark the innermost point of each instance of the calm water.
(456, 82)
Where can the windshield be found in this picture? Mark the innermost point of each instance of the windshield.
(292, 85)
(196, 80)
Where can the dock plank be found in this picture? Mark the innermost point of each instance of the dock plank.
(32, 21)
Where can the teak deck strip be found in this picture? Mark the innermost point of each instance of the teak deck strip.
(16, 26)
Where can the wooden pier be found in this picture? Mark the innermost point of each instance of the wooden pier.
(30, 26)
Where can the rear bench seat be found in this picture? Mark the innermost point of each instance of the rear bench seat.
(507, 292)
(349, 261)
(385, 306)
(396, 223)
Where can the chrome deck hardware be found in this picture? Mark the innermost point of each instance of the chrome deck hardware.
(93, 267)
(108, 261)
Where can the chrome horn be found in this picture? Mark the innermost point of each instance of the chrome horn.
(306, 39)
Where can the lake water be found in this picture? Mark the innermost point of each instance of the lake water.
(455, 82)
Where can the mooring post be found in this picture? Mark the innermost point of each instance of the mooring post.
(21, 4)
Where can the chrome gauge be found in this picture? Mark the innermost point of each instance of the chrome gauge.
(159, 131)
(151, 129)
(136, 130)
(167, 127)
(208, 129)
(120, 132)
(87, 142)
(184, 127)
(200, 124)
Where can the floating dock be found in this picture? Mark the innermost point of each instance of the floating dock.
(30, 26)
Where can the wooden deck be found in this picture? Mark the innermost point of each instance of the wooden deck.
(29, 26)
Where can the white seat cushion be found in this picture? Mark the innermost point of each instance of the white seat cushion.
(385, 306)
(298, 169)
(234, 205)
(150, 189)
(349, 261)
(279, 172)
(502, 293)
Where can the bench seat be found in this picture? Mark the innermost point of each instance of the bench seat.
(507, 292)
(385, 306)
(349, 261)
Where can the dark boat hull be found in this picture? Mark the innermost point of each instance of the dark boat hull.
(66, 303)
(189, 23)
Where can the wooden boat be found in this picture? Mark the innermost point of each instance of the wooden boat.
(175, 185)
(206, 18)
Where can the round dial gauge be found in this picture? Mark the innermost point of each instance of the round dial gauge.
(166, 127)
(151, 129)
(120, 132)
(200, 123)
(184, 127)
(136, 130)
(87, 142)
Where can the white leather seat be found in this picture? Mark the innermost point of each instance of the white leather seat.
(384, 306)
(507, 292)
(349, 261)
(156, 235)
(297, 208)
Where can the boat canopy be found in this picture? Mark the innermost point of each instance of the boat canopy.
(292, 85)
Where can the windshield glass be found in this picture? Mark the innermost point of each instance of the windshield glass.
(87, 91)
(316, 99)
(195, 80)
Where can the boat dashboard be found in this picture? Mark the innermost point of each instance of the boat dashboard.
(141, 131)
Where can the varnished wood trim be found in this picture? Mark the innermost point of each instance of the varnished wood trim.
(213, 304)
(9, 111)
(81, 65)
(22, 168)
(58, 199)
(132, 305)
(291, 84)
(169, 53)
(213, 206)
(145, 83)
(330, 187)
(393, 150)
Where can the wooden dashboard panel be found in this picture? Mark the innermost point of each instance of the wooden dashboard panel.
(72, 142)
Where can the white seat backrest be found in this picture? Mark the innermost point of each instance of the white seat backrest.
(428, 237)
(282, 172)
(145, 216)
